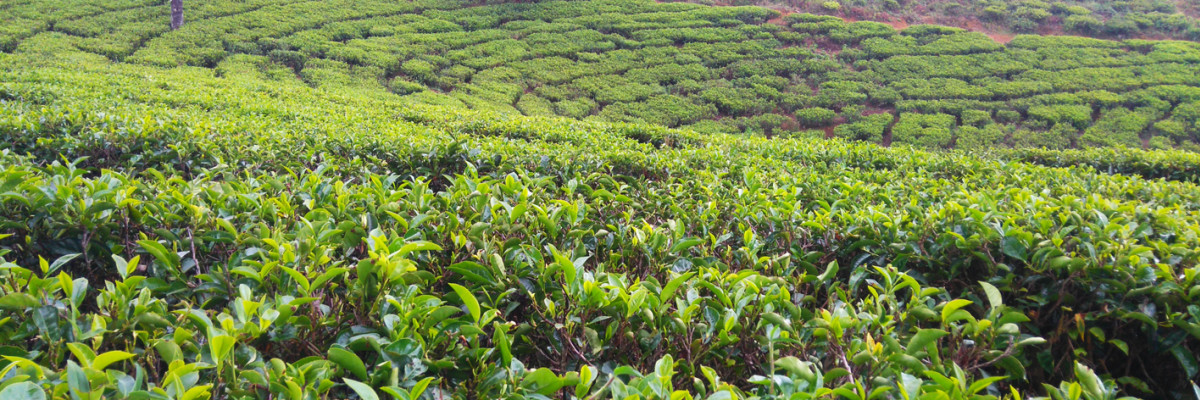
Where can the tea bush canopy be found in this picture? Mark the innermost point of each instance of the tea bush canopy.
(588, 199)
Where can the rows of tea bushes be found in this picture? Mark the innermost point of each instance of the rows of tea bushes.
(1183, 166)
(231, 232)
(1102, 19)
(707, 69)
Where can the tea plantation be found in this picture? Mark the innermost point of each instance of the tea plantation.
(1122, 19)
(723, 69)
(587, 200)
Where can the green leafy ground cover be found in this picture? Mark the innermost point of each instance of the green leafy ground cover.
(1122, 19)
(228, 230)
(709, 69)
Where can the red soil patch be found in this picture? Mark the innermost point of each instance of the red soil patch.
(973, 25)
(1002, 38)
(830, 47)
(899, 24)
(1053, 27)
(1188, 7)
(779, 20)
(876, 110)
(791, 124)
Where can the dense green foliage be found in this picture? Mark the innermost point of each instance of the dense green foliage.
(710, 69)
(247, 227)
(1094, 18)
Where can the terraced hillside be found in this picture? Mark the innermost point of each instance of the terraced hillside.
(739, 69)
(1122, 19)
(229, 213)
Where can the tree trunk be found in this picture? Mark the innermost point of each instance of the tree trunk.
(176, 14)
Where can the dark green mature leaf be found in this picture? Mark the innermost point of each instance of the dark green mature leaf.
(668, 291)
(17, 301)
(160, 252)
(924, 338)
(77, 380)
(22, 391)
(542, 381)
(1013, 247)
(469, 300)
(831, 271)
(348, 361)
(502, 344)
(685, 244)
(1186, 359)
(474, 272)
(59, 263)
(363, 390)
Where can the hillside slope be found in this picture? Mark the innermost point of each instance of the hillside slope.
(242, 228)
(1127, 19)
(710, 69)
